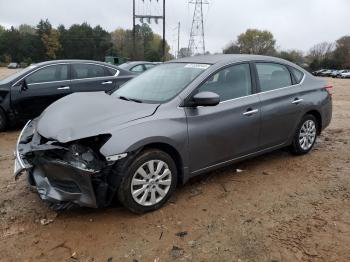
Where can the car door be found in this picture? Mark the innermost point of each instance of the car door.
(230, 129)
(89, 77)
(280, 103)
(40, 89)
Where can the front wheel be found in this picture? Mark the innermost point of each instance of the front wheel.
(149, 181)
(305, 135)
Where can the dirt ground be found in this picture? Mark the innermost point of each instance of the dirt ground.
(279, 208)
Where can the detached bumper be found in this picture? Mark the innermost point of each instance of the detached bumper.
(56, 181)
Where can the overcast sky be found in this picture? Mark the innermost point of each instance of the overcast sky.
(296, 24)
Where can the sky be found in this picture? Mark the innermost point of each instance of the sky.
(295, 24)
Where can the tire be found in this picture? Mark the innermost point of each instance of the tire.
(3, 121)
(139, 191)
(305, 135)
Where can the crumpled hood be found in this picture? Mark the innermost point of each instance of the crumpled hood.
(82, 115)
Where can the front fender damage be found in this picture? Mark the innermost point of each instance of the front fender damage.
(69, 174)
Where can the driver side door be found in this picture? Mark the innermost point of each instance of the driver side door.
(229, 130)
(41, 88)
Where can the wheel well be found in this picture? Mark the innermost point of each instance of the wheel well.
(173, 153)
(318, 117)
(3, 112)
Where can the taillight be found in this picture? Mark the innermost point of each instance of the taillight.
(329, 89)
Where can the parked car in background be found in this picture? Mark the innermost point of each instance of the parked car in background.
(335, 73)
(176, 121)
(345, 74)
(326, 73)
(13, 65)
(25, 94)
(138, 67)
(318, 72)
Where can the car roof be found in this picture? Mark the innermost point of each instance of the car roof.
(226, 58)
(74, 61)
(138, 62)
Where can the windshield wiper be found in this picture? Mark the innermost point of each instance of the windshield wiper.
(129, 99)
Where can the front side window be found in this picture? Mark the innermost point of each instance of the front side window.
(81, 71)
(49, 74)
(273, 76)
(161, 83)
(230, 83)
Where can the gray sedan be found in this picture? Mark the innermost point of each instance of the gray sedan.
(176, 121)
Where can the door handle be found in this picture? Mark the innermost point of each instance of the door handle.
(106, 82)
(250, 112)
(297, 101)
(63, 88)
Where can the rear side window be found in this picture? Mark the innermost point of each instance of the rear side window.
(273, 76)
(49, 74)
(298, 75)
(81, 71)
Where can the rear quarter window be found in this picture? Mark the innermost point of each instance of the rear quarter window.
(110, 71)
(298, 75)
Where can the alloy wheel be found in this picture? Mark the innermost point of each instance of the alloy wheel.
(307, 134)
(151, 182)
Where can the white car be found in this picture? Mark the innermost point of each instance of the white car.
(345, 74)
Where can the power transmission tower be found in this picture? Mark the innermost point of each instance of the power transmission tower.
(147, 14)
(196, 43)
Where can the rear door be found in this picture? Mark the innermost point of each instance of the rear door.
(44, 86)
(89, 77)
(280, 103)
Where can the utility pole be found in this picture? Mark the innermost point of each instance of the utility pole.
(148, 15)
(133, 31)
(164, 31)
(178, 39)
(196, 44)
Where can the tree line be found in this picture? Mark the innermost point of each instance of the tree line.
(43, 42)
(31, 44)
(323, 55)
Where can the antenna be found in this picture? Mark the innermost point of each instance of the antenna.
(196, 43)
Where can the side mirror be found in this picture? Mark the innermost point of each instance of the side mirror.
(206, 99)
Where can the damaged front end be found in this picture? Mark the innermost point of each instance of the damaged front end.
(73, 173)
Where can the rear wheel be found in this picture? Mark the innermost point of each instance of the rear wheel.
(149, 181)
(3, 121)
(305, 136)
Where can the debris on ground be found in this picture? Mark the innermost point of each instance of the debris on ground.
(181, 234)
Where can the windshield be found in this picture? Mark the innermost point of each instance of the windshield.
(160, 84)
(15, 75)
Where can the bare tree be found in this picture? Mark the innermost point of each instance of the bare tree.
(322, 51)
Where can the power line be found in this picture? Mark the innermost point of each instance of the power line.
(148, 13)
(196, 44)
